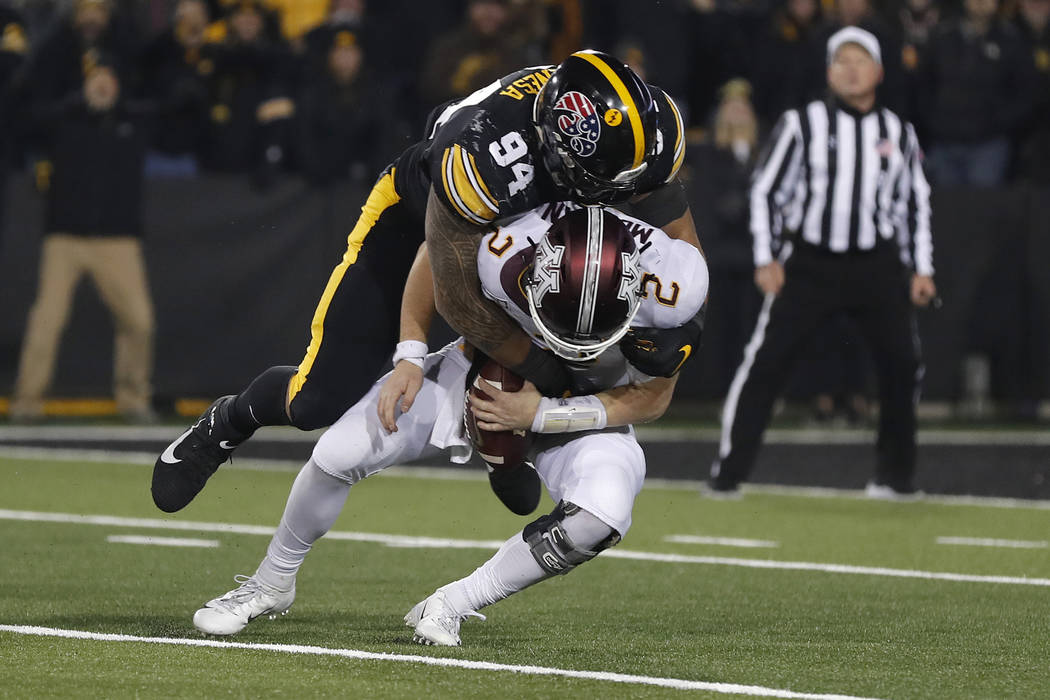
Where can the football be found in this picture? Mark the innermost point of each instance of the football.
(501, 449)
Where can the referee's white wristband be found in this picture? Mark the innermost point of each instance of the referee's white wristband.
(412, 351)
(569, 415)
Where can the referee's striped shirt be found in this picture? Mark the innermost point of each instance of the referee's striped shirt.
(841, 180)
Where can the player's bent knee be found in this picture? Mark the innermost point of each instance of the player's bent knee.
(346, 451)
(567, 537)
(311, 409)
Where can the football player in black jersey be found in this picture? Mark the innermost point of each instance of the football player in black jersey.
(588, 130)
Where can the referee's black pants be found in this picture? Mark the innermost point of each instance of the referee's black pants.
(872, 287)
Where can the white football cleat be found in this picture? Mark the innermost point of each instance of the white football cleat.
(435, 622)
(884, 492)
(233, 611)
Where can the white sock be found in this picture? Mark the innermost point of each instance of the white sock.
(511, 569)
(314, 504)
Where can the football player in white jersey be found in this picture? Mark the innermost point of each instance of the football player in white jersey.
(575, 279)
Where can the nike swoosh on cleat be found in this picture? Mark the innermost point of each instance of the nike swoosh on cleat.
(168, 457)
(225, 444)
(686, 351)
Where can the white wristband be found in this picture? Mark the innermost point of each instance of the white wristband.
(569, 415)
(411, 350)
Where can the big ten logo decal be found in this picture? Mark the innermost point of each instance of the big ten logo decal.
(658, 289)
(499, 243)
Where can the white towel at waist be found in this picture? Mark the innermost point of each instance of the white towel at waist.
(451, 366)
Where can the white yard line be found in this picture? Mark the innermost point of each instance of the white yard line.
(161, 541)
(449, 543)
(721, 541)
(609, 676)
(990, 542)
(826, 568)
(235, 529)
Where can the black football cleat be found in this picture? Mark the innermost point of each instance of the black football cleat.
(182, 470)
(517, 488)
(720, 489)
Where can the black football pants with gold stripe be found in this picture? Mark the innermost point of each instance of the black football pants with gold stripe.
(355, 325)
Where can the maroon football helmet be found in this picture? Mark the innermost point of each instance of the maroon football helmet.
(583, 290)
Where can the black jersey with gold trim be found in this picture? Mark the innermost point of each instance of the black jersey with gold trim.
(482, 153)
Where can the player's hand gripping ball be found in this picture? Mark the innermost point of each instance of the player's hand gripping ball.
(501, 449)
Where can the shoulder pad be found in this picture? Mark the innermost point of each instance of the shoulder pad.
(675, 277)
(462, 185)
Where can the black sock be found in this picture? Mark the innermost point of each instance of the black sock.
(262, 403)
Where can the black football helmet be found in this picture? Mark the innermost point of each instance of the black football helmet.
(597, 127)
(584, 287)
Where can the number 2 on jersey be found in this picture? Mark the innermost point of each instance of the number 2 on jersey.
(506, 152)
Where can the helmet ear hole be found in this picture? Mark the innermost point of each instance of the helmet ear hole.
(584, 288)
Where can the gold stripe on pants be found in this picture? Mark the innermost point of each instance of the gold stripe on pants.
(382, 196)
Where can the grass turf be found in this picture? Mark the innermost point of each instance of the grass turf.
(807, 631)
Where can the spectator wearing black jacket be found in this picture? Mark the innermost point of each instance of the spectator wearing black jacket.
(249, 107)
(916, 22)
(719, 175)
(13, 47)
(473, 55)
(72, 44)
(337, 116)
(787, 67)
(175, 74)
(1033, 146)
(973, 96)
(94, 227)
(719, 46)
(69, 49)
(343, 15)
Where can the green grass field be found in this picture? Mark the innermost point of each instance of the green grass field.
(806, 630)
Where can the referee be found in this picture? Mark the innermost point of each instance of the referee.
(840, 216)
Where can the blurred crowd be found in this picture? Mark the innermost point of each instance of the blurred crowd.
(112, 91)
(331, 88)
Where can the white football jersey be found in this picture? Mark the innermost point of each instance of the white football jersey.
(674, 285)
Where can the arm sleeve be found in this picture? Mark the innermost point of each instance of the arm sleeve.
(459, 183)
(915, 230)
(777, 168)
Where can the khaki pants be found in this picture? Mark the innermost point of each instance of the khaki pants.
(116, 266)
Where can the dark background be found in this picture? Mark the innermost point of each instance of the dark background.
(236, 274)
